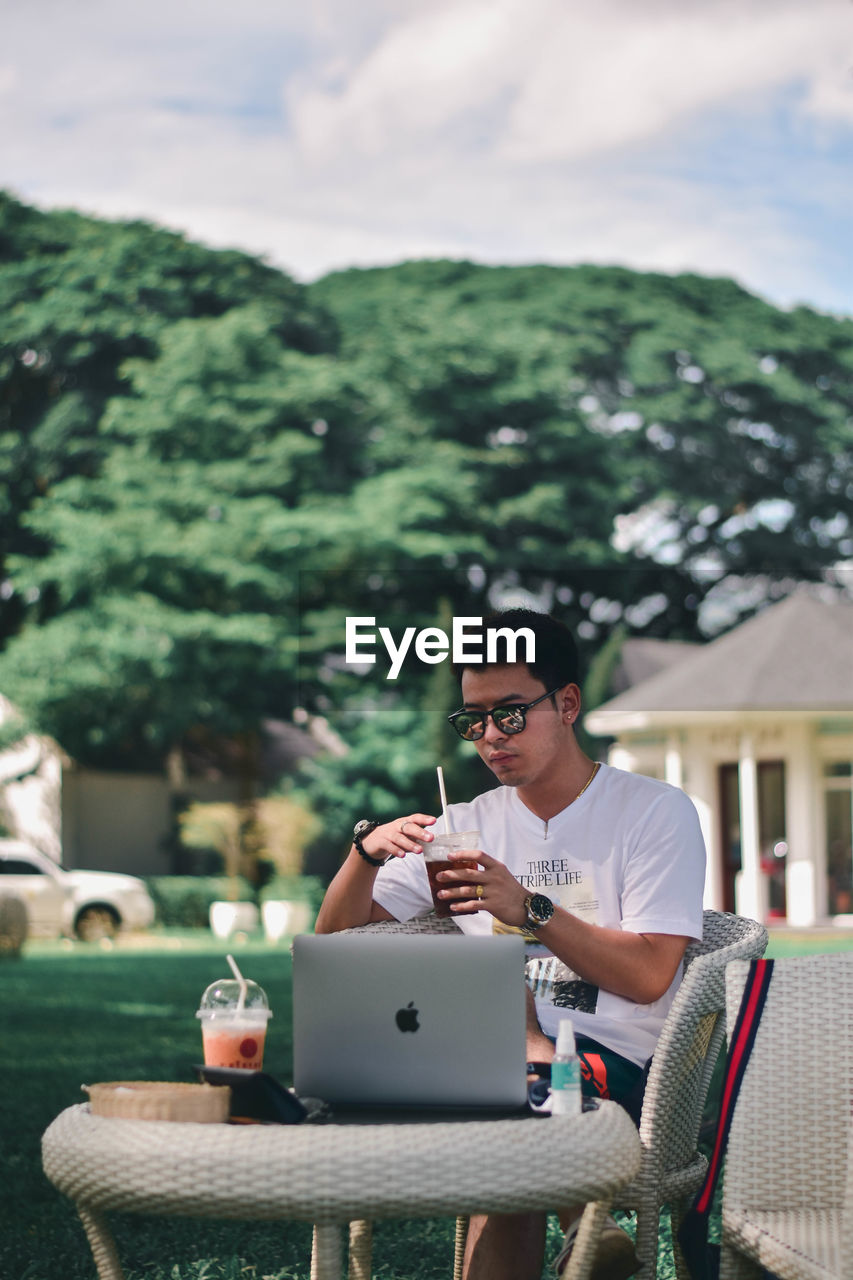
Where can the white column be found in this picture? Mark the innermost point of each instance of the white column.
(805, 892)
(703, 792)
(621, 758)
(673, 770)
(751, 890)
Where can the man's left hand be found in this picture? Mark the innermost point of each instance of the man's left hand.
(496, 890)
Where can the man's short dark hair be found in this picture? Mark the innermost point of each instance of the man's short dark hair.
(556, 663)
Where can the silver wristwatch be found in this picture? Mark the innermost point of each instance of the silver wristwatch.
(539, 910)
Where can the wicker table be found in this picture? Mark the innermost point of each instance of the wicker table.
(335, 1174)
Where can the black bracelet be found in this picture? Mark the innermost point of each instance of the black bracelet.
(374, 862)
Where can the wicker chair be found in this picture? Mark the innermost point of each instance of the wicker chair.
(673, 1168)
(788, 1181)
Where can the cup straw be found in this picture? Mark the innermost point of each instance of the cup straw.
(448, 825)
(241, 1000)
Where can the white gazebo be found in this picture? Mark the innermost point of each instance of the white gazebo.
(757, 727)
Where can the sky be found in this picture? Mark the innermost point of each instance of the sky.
(704, 135)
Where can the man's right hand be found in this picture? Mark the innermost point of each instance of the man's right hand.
(399, 837)
(349, 898)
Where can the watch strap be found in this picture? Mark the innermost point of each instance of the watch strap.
(364, 829)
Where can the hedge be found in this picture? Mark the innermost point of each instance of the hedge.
(183, 902)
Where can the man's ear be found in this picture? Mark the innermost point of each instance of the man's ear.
(569, 702)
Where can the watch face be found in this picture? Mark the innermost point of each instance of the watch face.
(361, 826)
(541, 908)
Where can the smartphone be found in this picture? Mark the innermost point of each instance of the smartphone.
(256, 1096)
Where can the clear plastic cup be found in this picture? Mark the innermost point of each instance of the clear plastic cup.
(435, 857)
(233, 1036)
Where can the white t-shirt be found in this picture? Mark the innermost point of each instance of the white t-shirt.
(627, 854)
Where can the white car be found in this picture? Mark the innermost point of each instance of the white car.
(92, 904)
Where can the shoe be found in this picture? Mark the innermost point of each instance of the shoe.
(615, 1257)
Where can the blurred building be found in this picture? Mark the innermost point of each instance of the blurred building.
(757, 727)
(103, 820)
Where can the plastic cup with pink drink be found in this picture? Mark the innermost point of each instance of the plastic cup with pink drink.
(234, 1018)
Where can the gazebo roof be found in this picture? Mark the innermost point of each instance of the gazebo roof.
(795, 655)
(642, 658)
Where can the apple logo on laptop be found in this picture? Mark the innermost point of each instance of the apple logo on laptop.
(407, 1019)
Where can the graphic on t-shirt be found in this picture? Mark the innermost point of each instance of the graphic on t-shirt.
(555, 983)
(549, 979)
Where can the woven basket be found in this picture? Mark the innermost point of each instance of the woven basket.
(157, 1100)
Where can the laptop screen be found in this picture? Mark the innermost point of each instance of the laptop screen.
(397, 1020)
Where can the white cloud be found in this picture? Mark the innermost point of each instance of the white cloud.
(503, 130)
(602, 79)
(425, 73)
(572, 79)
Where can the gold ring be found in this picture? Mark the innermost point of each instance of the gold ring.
(479, 891)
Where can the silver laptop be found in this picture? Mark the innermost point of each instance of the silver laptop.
(410, 1021)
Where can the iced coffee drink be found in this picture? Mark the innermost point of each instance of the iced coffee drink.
(435, 857)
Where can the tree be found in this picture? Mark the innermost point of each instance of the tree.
(257, 840)
(655, 432)
(169, 589)
(78, 298)
(744, 442)
(217, 467)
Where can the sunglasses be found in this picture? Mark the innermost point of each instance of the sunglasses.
(471, 725)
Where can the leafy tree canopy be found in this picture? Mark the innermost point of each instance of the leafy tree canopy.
(209, 467)
(78, 298)
(684, 398)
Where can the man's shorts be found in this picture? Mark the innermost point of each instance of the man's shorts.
(605, 1074)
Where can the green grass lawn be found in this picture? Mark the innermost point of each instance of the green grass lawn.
(75, 1014)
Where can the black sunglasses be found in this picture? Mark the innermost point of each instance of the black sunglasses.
(471, 725)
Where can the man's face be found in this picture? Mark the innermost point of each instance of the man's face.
(517, 759)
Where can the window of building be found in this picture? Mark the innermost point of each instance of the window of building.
(838, 811)
(771, 831)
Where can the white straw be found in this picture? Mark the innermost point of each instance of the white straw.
(238, 975)
(448, 826)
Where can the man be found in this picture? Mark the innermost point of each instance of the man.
(602, 870)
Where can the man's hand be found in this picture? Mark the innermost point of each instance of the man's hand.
(637, 966)
(402, 836)
(349, 898)
(502, 895)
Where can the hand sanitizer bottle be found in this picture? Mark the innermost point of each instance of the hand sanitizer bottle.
(565, 1074)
